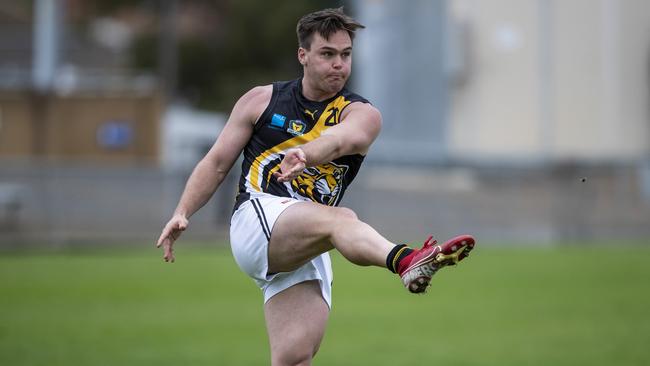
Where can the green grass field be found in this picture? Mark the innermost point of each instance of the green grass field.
(527, 306)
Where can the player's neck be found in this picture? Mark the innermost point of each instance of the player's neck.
(313, 93)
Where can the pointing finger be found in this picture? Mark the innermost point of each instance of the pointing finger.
(163, 236)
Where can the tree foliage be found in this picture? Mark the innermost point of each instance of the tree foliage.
(253, 43)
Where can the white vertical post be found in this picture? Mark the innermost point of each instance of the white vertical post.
(45, 43)
(546, 84)
(611, 90)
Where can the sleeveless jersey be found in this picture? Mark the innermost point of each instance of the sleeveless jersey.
(291, 120)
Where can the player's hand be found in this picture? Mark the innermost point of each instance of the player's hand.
(291, 166)
(170, 233)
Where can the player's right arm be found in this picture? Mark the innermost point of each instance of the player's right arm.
(213, 168)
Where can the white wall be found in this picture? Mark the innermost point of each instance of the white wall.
(552, 80)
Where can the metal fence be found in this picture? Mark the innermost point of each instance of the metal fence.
(54, 204)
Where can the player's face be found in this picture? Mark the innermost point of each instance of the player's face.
(327, 64)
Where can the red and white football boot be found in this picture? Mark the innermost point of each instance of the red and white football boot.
(426, 261)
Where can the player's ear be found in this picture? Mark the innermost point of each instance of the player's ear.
(302, 56)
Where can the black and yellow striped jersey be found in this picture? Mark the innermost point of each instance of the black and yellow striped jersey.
(291, 120)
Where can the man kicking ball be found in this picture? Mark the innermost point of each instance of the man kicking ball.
(303, 142)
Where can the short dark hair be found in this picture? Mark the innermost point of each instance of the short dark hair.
(326, 22)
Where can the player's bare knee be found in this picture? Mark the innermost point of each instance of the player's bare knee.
(338, 216)
(292, 357)
(347, 214)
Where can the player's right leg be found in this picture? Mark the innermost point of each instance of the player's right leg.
(305, 230)
(274, 236)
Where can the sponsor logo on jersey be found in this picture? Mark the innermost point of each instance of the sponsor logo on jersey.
(297, 127)
(277, 121)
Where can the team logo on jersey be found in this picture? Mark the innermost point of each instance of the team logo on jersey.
(277, 121)
(323, 183)
(297, 127)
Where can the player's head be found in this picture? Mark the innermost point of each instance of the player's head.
(325, 47)
(325, 23)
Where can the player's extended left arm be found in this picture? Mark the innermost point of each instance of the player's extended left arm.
(359, 127)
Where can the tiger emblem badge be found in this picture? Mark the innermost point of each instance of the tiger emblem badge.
(322, 183)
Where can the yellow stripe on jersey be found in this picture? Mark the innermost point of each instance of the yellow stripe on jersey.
(328, 118)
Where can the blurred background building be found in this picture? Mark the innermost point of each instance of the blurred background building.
(520, 121)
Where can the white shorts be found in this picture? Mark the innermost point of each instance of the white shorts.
(250, 231)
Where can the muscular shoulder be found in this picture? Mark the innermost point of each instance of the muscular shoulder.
(253, 103)
(258, 94)
(360, 125)
(365, 111)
